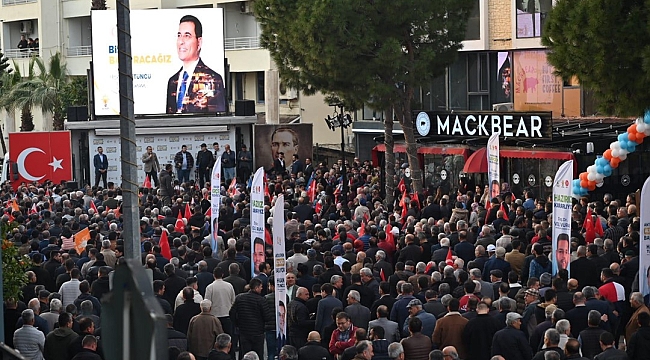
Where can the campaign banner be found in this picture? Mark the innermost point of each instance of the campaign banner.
(562, 208)
(494, 168)
(279, 272)
(215, 204)
(257, 221)
(289, 139)
(177, 56)
(644, 247)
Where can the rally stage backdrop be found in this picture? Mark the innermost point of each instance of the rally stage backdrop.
(155, 55)
(164, 145)
(290, 139)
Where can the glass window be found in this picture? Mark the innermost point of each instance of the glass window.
(239, 86)
(435, 177)
(372, 114)
(458, 83)
(531, 17)
(474, 23)
(260, 86)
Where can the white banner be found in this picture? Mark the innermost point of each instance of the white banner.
(279, 272)
(562, 207)
(644, 247)
(215, 202)
(257, 221)
(494, 169)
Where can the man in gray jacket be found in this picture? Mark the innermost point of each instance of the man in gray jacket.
(151, 165)
(166, 185)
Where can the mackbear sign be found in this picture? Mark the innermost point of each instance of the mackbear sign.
(530, 125)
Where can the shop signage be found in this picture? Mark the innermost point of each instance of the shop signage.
(528, 125)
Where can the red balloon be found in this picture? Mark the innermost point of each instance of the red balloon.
(584, 183)
(608, 154)
(631, 136)
(631, 129)
(592, 187)
(583, 176)
(614, 162)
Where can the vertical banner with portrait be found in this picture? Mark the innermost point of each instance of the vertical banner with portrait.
(257, 221)
(503, 92)
(289, 139)
(178, 61)
(562, 207)
(279, 272)
(215, 204)
(494, 167)
(644, 246)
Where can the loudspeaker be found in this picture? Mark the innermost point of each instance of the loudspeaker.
(72, 185)
(77, 113)
(244, 108)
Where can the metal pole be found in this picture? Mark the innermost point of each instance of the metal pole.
(127, 134)
(344, 188)
(2, 299)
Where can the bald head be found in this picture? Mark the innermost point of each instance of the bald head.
(572, 284)
(616, 268)
(313, 336)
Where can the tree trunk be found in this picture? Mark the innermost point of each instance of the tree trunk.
(26, 120)
(57, 122)
(389, 158)
(404, 116)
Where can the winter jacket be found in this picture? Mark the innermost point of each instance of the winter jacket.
(638, 347)
(57, 343)
(251, 313)
(512, 344)
(458, 214)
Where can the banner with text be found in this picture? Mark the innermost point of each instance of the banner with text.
(257, 221)
(279, 272)
(215, 202)
(178, 61)
(644, 247)
(494, 167)
(562, 207)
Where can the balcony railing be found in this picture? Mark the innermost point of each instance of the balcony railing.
(242, 43)
(83, 50)
(20, 53)
(17, 2)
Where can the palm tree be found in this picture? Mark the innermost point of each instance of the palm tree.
(43, 87)
(9, 82)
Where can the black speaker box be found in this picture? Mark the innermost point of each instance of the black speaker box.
(72, 185)
(77, 113)
(244, 108)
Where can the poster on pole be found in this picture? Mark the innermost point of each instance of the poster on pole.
(257, 221)
(215, 204)
(644, 247)
(494, 168)
(279, 271)
(562, 207)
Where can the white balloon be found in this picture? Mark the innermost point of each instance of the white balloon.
(591, 176)
(599, 177)
(615, 145)
(591, 169)
(616, 152)
(647, 130)
(623, 156)
(641, 127)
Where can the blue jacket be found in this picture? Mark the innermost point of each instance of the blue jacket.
(399, 313)
(428, 324)
(324, 312)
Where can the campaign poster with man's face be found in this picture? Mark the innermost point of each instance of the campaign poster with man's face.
(177, 60)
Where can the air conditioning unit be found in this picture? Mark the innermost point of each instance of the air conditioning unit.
(246, 7)
(287, 93)
(26, 27)
(503, 107)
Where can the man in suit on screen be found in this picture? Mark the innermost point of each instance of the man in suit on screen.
(195, 88)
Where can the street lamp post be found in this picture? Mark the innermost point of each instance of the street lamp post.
(343, 121)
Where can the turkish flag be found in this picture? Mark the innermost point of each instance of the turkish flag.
(165, 251)
(41, 156)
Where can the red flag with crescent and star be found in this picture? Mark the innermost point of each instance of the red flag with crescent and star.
(41, 156)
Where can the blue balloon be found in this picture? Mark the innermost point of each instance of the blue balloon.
(646, 117)
(576, 183)
(623, 138)
(607, 168)
(631, 146)
(623, 143)
(600, 169)
(608, 172)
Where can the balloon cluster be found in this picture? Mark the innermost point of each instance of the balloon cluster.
(612, 157)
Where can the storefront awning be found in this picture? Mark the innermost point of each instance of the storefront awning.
(429, 150)
(477, 162)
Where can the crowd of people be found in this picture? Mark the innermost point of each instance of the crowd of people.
(436, 275)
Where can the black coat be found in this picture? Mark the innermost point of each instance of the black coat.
(184, 313)
(512, 344)
(585, 271)
(478, 334)
(314, 351)
(250, 313)
(298, 323)
(639, 345)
